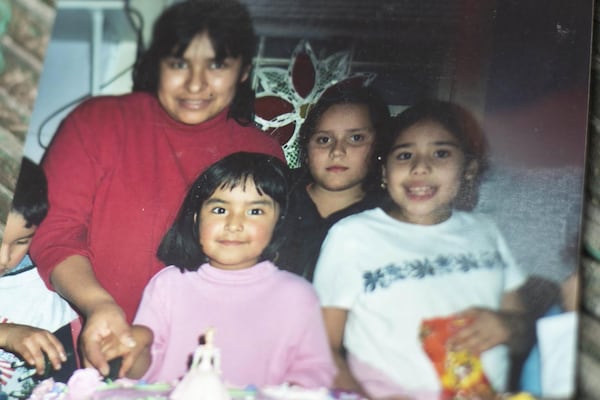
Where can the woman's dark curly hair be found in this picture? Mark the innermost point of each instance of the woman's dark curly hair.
(181, 244)
(380, 119)
(229, 27)
(459, 122)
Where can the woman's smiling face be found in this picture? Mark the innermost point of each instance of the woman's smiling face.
(196, 87)
(423, 172)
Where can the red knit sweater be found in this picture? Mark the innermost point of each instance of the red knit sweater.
(118, 170)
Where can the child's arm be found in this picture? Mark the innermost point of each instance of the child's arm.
(31, 344)
(570, 292)
(335, 323)
(136, 358)
(74, 279)
(489, 328)
(309, 362)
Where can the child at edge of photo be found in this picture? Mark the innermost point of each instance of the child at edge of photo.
(220, 249)
(35, 323)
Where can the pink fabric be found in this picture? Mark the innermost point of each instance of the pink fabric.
(117, 171)
(379, 385)
(268, 325)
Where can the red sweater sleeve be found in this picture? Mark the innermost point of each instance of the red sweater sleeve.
(74, 164)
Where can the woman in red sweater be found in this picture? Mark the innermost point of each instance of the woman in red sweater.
(119, 165)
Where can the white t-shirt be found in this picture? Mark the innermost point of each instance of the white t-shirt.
(391, 275)
(25, 299)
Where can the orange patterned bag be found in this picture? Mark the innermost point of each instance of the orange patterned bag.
(461, 373)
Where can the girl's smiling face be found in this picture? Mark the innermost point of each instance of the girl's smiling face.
(236, 225)
(423, 172)
(196, 87)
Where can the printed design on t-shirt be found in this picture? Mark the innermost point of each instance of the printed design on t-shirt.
(430, 267)
(16, 378)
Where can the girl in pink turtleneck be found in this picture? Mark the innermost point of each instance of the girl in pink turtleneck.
(220, 250)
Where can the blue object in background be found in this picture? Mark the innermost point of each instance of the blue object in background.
(531, 375)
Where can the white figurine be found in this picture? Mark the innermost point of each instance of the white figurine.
(203, 381)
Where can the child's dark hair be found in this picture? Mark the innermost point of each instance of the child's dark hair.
(229, 27)
(181, 245)
(31, 193)
(358, 95)
(459, 122)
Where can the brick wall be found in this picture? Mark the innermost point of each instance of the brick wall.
(589, 343)
(25, 31)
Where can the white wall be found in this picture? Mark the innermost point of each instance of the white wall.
(66, 77)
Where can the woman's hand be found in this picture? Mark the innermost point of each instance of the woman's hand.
(31, 344)
(103, 322)
(136, 358)
(74, 279)
(487, 328)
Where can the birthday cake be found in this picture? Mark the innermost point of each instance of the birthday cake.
(201, 381)
(88, 384)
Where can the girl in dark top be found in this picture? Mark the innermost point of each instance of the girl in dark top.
(340, 171)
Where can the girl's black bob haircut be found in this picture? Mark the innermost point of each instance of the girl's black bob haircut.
(459, 122)
(229, 27)
(31, 194)
(181, 244)
(355, 95)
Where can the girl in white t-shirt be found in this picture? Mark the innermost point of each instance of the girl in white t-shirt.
(422, 255)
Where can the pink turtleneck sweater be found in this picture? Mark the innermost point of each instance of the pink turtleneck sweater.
(117, 171)
(268, 325)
